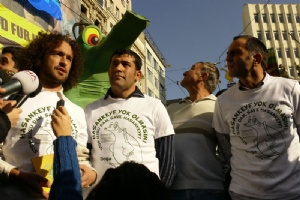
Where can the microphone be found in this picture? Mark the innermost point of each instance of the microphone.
(23, 82)
(22, 98)
(5, 76)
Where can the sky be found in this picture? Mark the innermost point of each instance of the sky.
(189, 31)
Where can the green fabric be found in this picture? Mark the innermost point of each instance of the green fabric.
(94, 82)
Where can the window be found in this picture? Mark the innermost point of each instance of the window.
(161, 72)
(83, 10)
(284, 35)
(101, 3)
(150, 93)
(268, 35)
(155, 64)
(117, 12)
(111, 6)
(272, 18)
(276, 35)
(123, 2)
(292, 34)
(149, 56)
(279, 53)
(297, 17)
(288, 53)
(150, 75)
(289, 18)
(161, 88)
(111, 25)
(264, 17)
(83, 18)
(296, 52)
(280, 18)
(256, 18)
(291, 68)
(156, 83)
(96, 22)
(259, 35)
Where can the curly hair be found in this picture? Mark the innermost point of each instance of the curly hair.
(32, 57)
(213, 78)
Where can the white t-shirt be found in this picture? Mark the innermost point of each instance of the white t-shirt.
(124, 130)
(33, 137)
(265, 147)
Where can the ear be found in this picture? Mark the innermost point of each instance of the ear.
(204, 75)
(138, 76)
(257, 58)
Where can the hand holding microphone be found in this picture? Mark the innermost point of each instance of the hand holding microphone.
(11, 112)
(23, 82)
(9, 116)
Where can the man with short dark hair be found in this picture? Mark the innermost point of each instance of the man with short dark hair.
(9, 57)
(127, 125)
(261, 115)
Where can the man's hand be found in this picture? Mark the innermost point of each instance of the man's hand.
(1, 100)
(12, 113)
(61, 122)
(2, 90)
(7, 105)
(32, 181)
(88, 176)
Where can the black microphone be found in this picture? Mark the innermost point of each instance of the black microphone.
(5, 76)
(23, 82)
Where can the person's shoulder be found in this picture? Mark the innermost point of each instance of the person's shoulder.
(149, 98)
(211, 97)
(228, 92)
(174, 105)
(94, 104)
(283, 81)
(72, 104)
(152, 102)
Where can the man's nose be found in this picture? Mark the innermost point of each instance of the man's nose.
(119, 67)
(63, 61)
(228, 57)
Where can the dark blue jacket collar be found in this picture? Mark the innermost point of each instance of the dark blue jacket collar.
(136, 93)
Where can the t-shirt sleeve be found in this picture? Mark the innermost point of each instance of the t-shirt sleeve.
(218, 122)
(163, 125)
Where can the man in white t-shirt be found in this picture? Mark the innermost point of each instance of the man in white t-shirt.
(261, 114)
(55, 58)
(127, 125)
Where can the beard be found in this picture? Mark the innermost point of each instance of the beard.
(51, 78)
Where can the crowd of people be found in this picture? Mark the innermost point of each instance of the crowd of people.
(240, 144)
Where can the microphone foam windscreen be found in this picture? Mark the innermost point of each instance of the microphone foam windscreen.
(28, 79)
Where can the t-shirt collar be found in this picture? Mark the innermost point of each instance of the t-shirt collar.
(136, 93)
(244, 88)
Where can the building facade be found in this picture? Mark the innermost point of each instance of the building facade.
(278, 26)
(105, 14)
